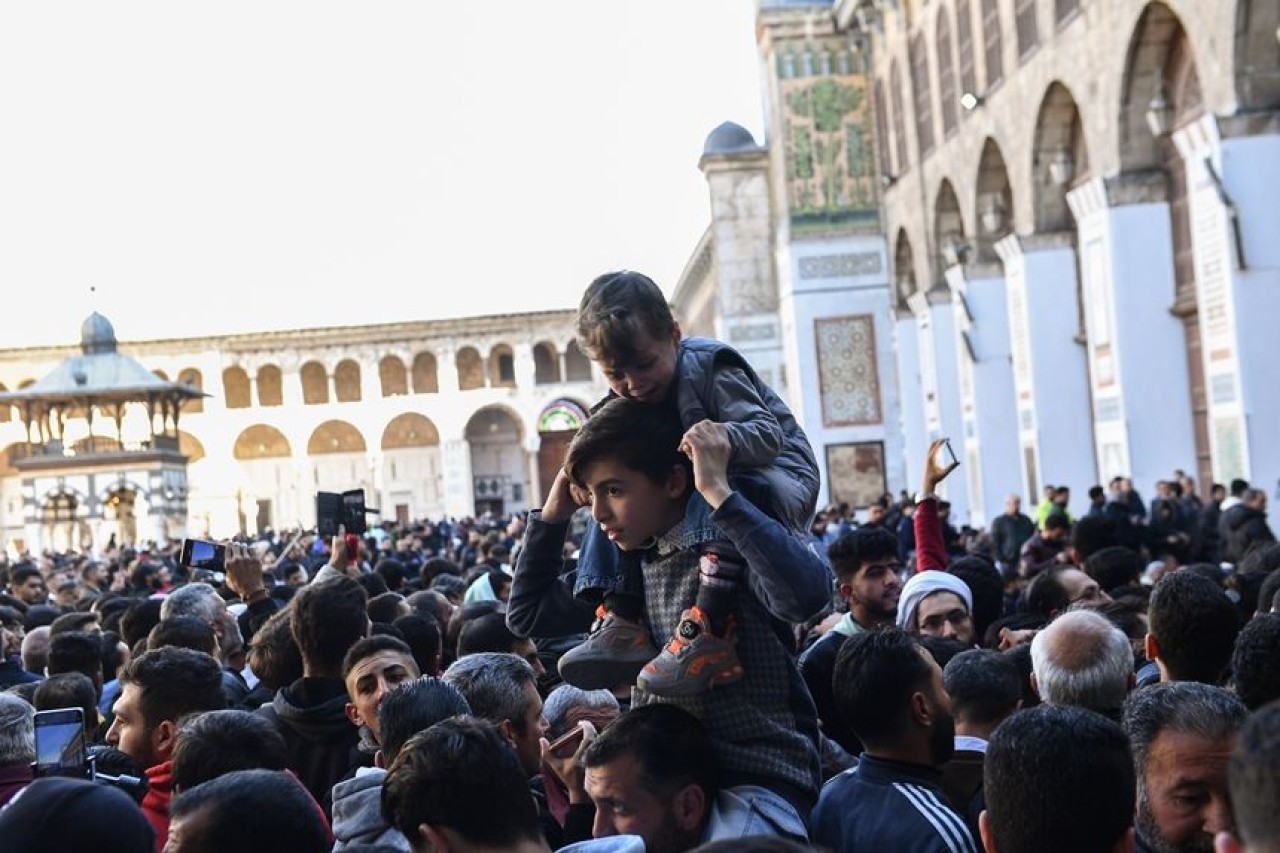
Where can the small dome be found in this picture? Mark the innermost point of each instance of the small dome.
(729, 138)
(97, 335)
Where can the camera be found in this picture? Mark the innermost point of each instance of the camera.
(346, 510)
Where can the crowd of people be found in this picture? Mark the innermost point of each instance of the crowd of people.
(666, 656)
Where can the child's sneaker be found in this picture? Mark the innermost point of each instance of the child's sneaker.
(610, 657)
(693, 662)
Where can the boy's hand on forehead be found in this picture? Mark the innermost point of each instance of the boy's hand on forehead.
(707, 444)
(563, 499)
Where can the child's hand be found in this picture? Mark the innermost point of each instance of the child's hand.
(707, 444)
(563, 500)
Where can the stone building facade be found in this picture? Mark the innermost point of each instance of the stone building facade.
(1079, 203)
(432, 419)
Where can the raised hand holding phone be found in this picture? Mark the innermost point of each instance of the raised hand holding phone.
(564, 759)
(939, 462)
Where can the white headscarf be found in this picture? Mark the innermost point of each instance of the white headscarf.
(924, 584)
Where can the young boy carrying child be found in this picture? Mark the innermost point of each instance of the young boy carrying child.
(626, 325)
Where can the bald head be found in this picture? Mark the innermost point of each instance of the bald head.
(1082, 659)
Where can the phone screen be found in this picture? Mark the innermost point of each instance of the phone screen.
(201, 554)
(353, 511)
(60, 743)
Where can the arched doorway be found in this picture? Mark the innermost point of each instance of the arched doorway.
(557, 425)
(60, 531)
(411, 469)
(499, 464)
(268, 482)
(994, 209)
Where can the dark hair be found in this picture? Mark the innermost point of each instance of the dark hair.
(862, 545)
(437, 566)
(941, 649)
(216, 743)
(69, 690)
(1263, 557)
(672, 747)
(22, 573)
(370, 646)
(983, 580)
(461, 616)
(328, 618)
(1267, 592)
(1254, 778)
(184, 632)
(487, 633)
(373, 585)
(10, 616)
(616, 308)
(40, 616)
(1254, 664)
(1045, 595)
(112, 657)
(459, 774)
(1195, 626)
(173, 683)
(1020, 657)
(72, 622)
(875, 675)
(1047, 767)
(983, 684)
(422, 634)
(1114, 567)
(273, 655)
(76, 651)
(1092, 534)
(450, 586)
(1057, 521)
(413, 706)
(385, 607)
(252, 811)
(638, 436)
(138, 620)
(1096, 492)
(392, 572)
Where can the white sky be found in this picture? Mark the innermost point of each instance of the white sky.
(241, 166)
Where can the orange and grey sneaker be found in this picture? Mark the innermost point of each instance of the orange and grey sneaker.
(693, 662)
(610, 656)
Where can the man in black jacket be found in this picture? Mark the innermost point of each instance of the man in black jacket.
(328, 618)
(1245, 525)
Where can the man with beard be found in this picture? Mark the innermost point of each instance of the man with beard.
(866, 565)
(653, 773)
(890, 691)
(1181, 735)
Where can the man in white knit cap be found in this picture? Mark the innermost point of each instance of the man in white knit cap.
(937, 604)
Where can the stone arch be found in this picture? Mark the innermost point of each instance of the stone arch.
(502, 367)
(426, 378)
(558, 423)
(392, 376)
(1161, 89)
(315, 383)
(192, 378)
(1257, 62)
(948, 227)
(499, 463)
(235, 388)
(904, 268)
(335, 437)
(261, 441)
(346, 381)
(546, 363)
(993, 203)
(470, 369)
(410, 430)
(577, 367)
(948, 97)
(190, 447)
(270, 386)
(1059, 159)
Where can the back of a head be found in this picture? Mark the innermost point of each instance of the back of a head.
(672, 746)
(1255, 664)
(984, 686)
(69, 690)
(859, 546)
(461, 616)
(175, 682)
(387, 607)
(215, 743)
(1114, 567)
(184, 632)
(328, 618)
(1046, 596)
(1187, 707)
(494, 685)
(875, 675)
(250, 811)
(75, 621)
(195, 599)
(458, 775)
(274, 655)
(488, 633)
(76, 651)
(412, 707)
(984, 582)
(1254, 779)
(616, 309)
(55, 815)
(138, 620)
(1093, 534)
(1081, 659)
(1058, 780)
(1263, 557)
(17, 731)
(422, 634)
(35, 650)
(1194, 624)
